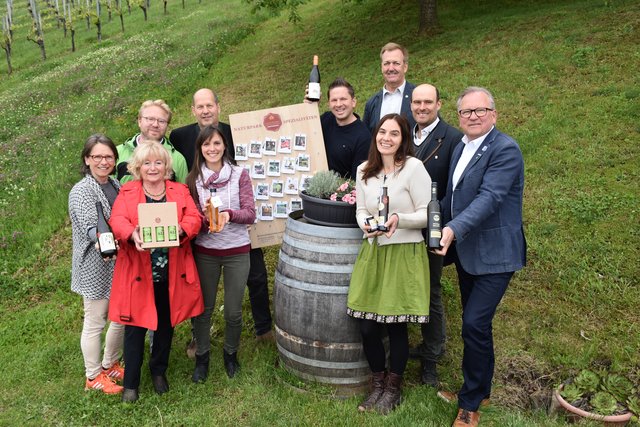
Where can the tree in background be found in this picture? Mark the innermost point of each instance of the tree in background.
(36, 35)
(7, 38)
(119, 12)
(68, 23)
(428, 22)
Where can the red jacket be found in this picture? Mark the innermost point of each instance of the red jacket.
(132, 300)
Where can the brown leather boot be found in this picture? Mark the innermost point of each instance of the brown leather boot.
(392, 394)
(375, 391)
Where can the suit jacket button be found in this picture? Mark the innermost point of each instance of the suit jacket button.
(183, 275)
(138, 279)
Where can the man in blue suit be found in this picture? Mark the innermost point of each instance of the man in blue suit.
(395, 95)
(483, 235)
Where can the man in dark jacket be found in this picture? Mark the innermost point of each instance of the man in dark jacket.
(433, 143)
(395, 95)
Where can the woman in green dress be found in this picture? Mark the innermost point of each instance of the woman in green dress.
(390, 281)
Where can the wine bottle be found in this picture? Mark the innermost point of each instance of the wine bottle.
(212, 213)
(106, 242)
(314, 81)
(434, 227)
(383, 210)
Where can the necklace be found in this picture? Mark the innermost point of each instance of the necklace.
(385, 173)
(148, 193)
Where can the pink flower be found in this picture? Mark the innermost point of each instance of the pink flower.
(349, 199)
(343, 187)
(333, 197)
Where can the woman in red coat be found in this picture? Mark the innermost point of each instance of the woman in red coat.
(152, 289)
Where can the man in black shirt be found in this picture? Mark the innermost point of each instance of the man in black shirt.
(206, 109)
(433, 143)
(346, 138)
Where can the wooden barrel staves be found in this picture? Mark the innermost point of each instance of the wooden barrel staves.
(316, 339)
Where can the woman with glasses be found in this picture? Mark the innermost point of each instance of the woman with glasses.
(91, 274)
(152, 289)
(390, 280)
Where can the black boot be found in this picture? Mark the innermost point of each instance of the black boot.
(160, 383)
(201, 370)
(375, 391)
(231, 363)
(429, 374)
(392, 394)
(130, 395)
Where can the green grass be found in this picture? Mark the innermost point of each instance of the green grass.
(565, 78)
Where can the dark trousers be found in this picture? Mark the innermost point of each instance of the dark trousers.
(258, 285)
(134, 341)
(434, 333)
(480, 297)
(371, 332)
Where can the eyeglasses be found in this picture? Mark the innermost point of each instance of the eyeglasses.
(99, 158)
(150, 120)
(480, 112)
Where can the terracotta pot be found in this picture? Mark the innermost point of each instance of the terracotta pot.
(328, 212)
(608, 420)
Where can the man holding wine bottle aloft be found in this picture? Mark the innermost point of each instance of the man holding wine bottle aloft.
(433, 143)
(346, 138)
(395, 95)
(484, 236)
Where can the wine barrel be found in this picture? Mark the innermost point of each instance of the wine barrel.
(316, 339)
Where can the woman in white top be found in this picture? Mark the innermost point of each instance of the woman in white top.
(390, 280)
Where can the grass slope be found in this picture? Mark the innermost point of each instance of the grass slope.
(565, 77)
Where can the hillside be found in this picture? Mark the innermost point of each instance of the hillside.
(565, 78)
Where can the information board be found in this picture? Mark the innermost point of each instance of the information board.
(282, 148)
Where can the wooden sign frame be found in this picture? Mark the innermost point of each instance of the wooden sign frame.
(281, 147)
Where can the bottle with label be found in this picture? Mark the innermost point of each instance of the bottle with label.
(106, 242)
(173, 233)
(213, 212)
(434, 227)
(314, 81)
(383, 210)
(146, 235)
(159, 233)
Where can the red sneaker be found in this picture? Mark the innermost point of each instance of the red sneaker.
(115, 372)
(103, 383)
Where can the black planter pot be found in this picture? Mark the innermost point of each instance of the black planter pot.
(327, 212)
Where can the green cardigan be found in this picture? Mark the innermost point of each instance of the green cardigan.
(125, 151)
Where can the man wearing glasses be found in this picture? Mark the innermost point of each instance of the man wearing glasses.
(153, 119)
(484, 236)
(395, 95)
